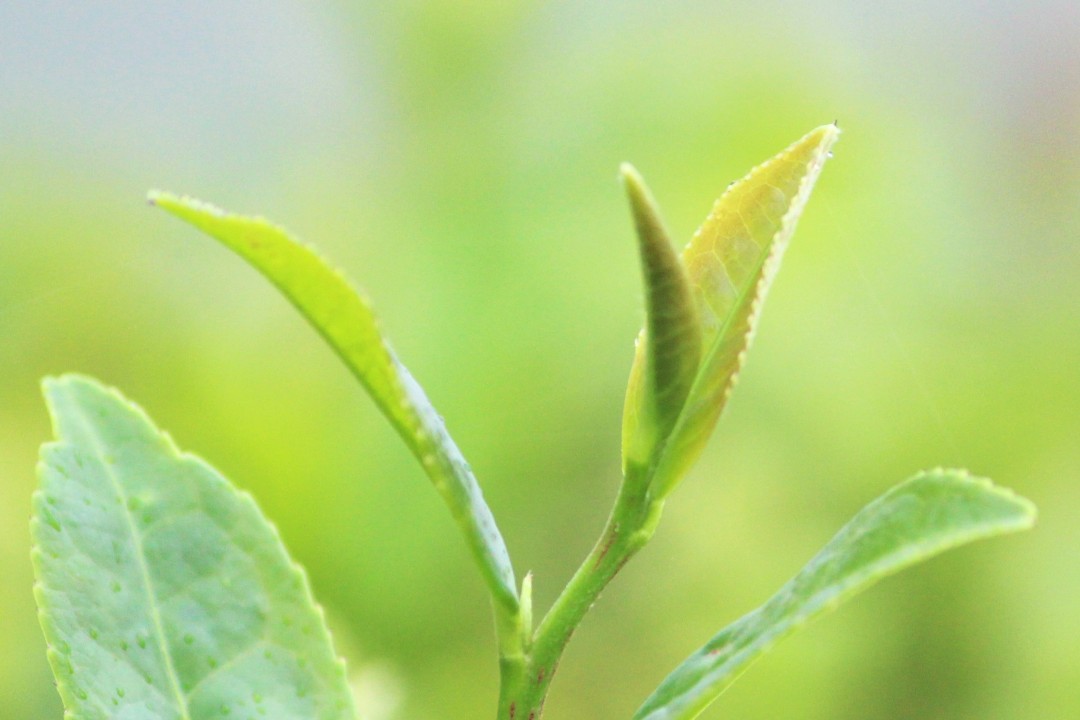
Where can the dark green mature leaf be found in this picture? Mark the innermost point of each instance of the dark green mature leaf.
(925, 515)
(342, 315)
(731, 262)
(668, 349)
(163, 592)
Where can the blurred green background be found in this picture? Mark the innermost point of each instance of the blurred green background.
(459, 160)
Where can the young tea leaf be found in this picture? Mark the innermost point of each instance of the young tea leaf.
(731, 262)
(668, 349)
(342, 315)
(921, 517)
(163, 592)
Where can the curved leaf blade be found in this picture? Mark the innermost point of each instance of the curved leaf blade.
(731, 261)
(923, 516)
(668, 350)
(343, 316)
(162, 591)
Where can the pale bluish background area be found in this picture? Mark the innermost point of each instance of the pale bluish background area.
(458, 159)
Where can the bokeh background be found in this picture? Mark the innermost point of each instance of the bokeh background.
(459, 160)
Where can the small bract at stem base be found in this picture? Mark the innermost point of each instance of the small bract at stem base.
(525, 686)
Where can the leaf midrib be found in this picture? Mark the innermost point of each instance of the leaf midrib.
(140, 556)
(701, 377)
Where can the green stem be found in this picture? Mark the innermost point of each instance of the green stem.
(513, 630)
(525, 681)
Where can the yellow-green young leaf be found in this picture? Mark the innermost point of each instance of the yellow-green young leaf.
(163, 592)
(925, 515)
(668, 349)
(731, 261)
(341, 314)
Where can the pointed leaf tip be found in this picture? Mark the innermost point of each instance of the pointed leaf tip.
(163, 591)
(922, 517)
(731, 262)
(669, 349)
(344, 318)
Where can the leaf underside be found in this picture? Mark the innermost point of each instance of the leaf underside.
(926, 515)
(163, 592)
(343, 316)
(731, 262)
(668, 350)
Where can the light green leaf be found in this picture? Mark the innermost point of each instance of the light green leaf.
(921, 517)
(163, 592)
(342, 315)
(668, 349)
(731, 261)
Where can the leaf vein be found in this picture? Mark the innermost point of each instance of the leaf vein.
(144, 570)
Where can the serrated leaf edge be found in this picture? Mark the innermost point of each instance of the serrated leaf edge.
(708, 688)
(54, 654)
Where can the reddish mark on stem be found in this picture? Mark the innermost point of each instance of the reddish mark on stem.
(540, 676)
(532, 716)
(607, 546)
(719, 649)
(513, 710)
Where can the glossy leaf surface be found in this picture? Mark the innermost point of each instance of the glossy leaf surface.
(925, 515)
(342, 315)
(731, 261)
(668, 350)
(163, 591)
